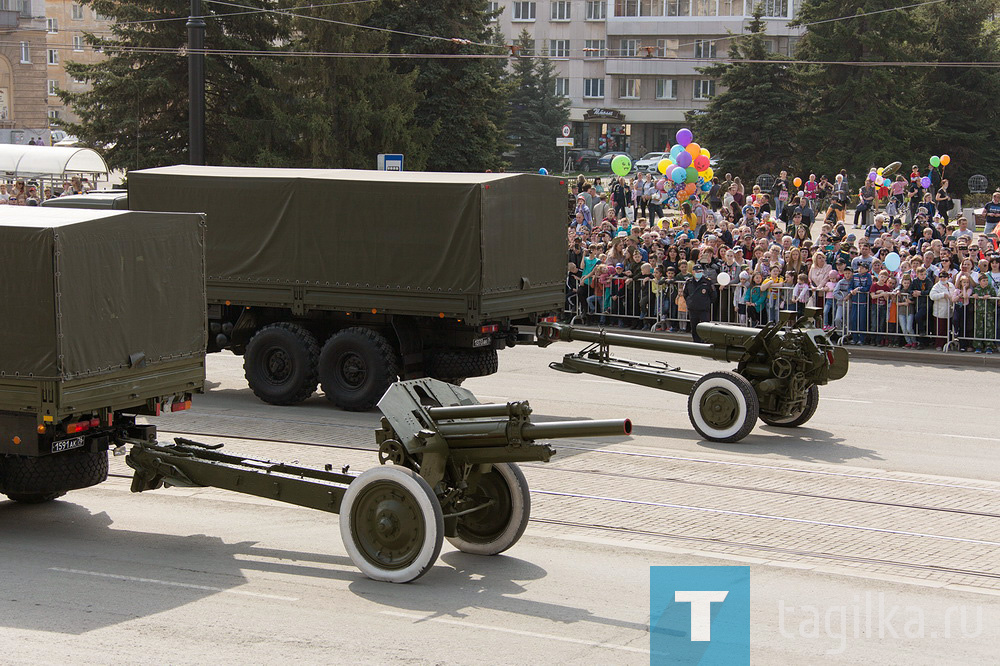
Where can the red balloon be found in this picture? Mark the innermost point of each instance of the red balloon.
(701, 163)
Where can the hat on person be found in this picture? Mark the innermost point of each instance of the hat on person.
(744, 275)
(851, 238)
(619, 266)
(622, 234)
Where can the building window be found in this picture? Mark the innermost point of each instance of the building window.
(77, 12)
(593, 88)
(558, 48)
(666, 88)
(628, 48)
(667, 48)
(53, 56)
(594, 48)
(524, 11)
(704, 48)
(704, 89)
(771, 8)
(628, 88)
(52, 87)
(53, 114)
(77, 42)
(560, 10)
(597, 10)
(626, 7)
(52, 25)
(25, 53)
(562, 87)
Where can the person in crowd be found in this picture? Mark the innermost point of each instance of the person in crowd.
(866, 200)
(860, 286)
(992, 212)
(942, 296)
(773, 286)
(943, 200)
(699, 294)
(881, 293)
(801, 293)
(905, 310)
(985, 305)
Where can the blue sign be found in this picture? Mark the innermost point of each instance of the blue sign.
(390, 162)
(699, 615)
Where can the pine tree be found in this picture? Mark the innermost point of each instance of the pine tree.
(752, 122)
(856, 117)
(464, 106)
(348, 110)
(537, 113)
(963, 100)
(137, 108)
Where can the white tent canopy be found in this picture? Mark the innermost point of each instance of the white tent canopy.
(51, 161)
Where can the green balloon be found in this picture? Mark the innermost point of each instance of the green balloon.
(621, 165)
(692, 174)
(935, 161)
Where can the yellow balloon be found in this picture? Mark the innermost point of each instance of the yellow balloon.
(704, 151)
(878, 171)
(707, 174)
(663, 165)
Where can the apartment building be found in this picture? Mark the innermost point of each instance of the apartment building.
(66, 22)
(629, 67)
(22, 71)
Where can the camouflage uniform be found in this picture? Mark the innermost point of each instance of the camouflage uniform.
(985, 314)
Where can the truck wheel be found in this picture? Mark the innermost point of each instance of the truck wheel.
(391, 524)
(356, 368)
(280, 364)
(43, 478)
(496, 528)
(723, 406)
(456, 365)
(796, 419)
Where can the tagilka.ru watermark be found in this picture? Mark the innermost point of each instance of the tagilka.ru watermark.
(874, 617)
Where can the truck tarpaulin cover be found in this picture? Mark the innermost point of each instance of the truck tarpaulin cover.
(464, 233)
(86, 292)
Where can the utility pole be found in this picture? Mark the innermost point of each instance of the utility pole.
(196, 84)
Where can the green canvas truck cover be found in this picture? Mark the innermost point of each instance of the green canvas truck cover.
(494, 235)
(88, 292)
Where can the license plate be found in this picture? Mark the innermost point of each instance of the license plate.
(482, 342)
(67, 444)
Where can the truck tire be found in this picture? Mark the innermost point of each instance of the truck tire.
(280, 364)
(456, 365)
(34, 480)
(356, 368)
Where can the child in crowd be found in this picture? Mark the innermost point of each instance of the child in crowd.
(905, 310)
(772, 285)
(942, 296)
(800, 293)
(756, 299)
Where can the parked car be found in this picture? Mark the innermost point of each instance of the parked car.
(648, 163)
(584, 159)
(604, 164)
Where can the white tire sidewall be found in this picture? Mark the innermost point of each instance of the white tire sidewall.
(513, 531)
(730, 386)
(429, 549)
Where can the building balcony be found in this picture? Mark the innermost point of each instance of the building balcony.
(652, 67)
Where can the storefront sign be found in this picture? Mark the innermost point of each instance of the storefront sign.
(604, 114)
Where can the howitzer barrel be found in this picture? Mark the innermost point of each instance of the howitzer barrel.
(487, 410)
(728, 335)
(570, 334)
(501, 433)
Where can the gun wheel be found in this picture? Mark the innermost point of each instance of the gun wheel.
(800, 416)
(391, 524)
(723, 406)
(496, 528)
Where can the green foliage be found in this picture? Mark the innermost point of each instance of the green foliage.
(137, 109)
(751, 123)
(537, 114)
(464, 105)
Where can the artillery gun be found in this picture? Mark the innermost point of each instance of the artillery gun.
(777, 377)
(449, 470)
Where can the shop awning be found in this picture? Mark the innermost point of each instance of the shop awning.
(20, 161)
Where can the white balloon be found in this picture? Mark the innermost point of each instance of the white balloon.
(724, 279)
(892, 261)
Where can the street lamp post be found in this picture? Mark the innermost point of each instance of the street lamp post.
(196, 84)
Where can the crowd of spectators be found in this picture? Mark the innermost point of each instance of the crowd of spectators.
(31, 193)
(633, 263)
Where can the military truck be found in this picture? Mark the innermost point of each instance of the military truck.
(351, 279)
(102, 318)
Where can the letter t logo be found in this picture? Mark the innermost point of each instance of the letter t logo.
(701, 611)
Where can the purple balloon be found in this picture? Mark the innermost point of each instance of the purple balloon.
(872, 176)
(684, 136)
(925, 182)
(684, 159)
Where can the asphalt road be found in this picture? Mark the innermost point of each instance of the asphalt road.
(199, 575)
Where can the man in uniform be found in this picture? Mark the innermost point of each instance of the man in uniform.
(699, 292)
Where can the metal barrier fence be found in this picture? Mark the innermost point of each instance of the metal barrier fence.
(971, 324)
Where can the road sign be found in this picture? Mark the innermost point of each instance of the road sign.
(566, 130)
(390, 162)
(565, 142)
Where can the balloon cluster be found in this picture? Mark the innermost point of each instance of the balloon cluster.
(687, 169)
(936, 161)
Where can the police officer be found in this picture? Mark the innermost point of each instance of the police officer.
(699, 292)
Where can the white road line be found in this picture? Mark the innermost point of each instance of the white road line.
(170, 583)
(984, 439)
(860, 402)
(518, 632)
(746, 514)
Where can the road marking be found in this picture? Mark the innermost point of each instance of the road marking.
(985, 439)
(746, 514)
(518, 632)
(170, 583)
(860, 402)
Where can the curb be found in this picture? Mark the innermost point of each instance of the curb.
(903, 356)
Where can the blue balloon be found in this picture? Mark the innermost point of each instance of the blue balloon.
(675, 151)
(678, 174)
(705, 187)
(543, 171)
